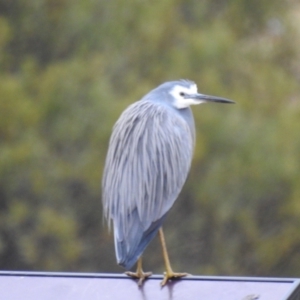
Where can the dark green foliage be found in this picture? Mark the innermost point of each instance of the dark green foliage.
(68, 69)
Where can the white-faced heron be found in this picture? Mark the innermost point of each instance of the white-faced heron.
(147, 163)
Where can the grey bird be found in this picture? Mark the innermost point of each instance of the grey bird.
(147, 163)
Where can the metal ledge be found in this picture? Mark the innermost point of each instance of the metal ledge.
(83, 286)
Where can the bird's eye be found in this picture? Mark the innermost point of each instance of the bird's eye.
(182, 94)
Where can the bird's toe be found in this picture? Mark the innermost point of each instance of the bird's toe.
(141, 276)
(172, 276)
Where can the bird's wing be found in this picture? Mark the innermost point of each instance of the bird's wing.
(147, 164)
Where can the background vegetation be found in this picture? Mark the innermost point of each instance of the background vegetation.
(67, 70)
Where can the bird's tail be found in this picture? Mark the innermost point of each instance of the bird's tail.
(130, 247)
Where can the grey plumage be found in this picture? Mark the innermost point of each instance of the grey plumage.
(147, 163)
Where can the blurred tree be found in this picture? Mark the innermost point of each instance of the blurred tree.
(67, 70)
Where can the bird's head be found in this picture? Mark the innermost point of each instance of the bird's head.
(185, 93)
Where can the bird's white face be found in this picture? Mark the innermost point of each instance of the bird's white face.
(181, 96)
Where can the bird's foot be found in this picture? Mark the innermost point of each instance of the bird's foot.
(140, 275)
(172, 275)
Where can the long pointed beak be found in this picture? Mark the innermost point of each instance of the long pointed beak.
(208, 98)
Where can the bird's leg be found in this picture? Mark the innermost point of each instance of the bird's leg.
(169, 274)
(139, 274)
